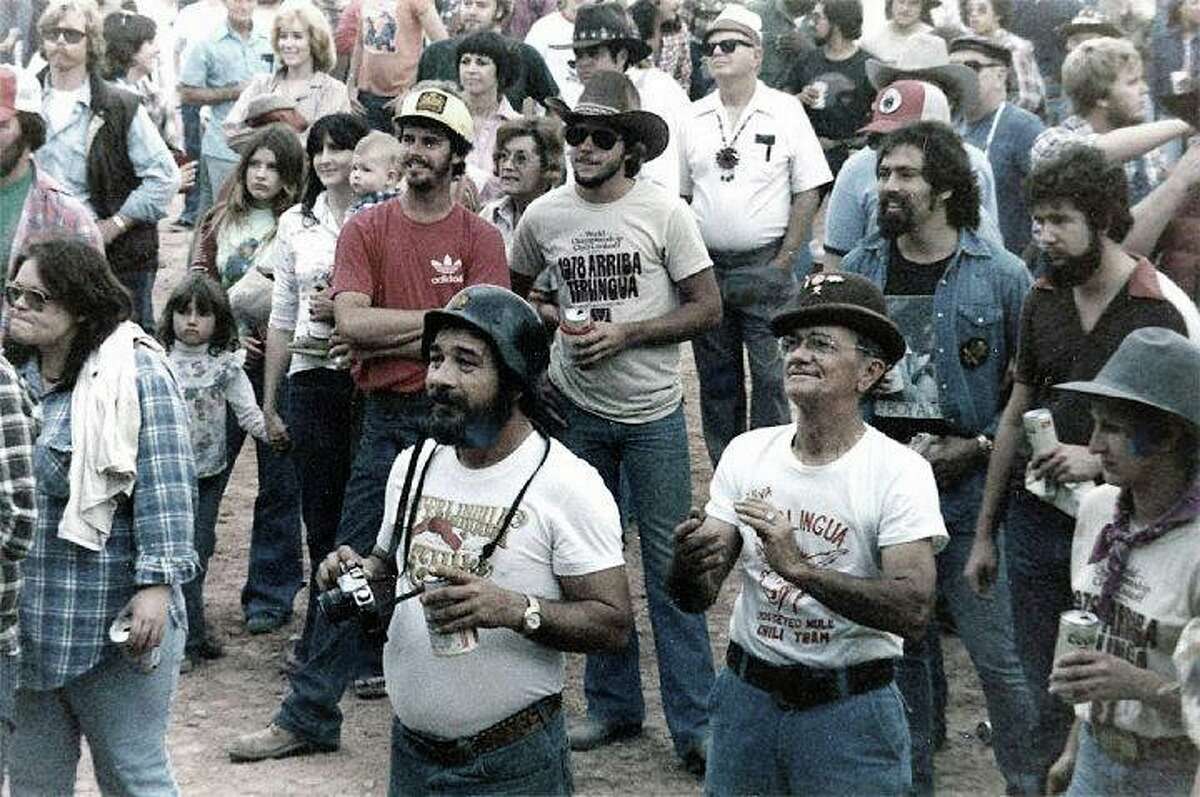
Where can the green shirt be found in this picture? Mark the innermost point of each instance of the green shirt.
(12, 204)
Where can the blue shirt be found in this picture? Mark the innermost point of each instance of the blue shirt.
(226, 59)
(1007, 147)
(64, 157)
(71, 594)
(854, 202)
(978, 298)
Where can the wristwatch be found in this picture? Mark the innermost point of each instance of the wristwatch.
(985, 444)
(532, 620)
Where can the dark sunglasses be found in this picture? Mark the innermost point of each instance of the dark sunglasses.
(726, 46)
(602, 137)
(68, 35)
(34, 298)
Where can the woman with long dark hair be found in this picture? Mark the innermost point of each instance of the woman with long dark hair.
(320, 393)
(102, 615)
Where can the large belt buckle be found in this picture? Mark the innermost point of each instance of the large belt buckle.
(1120, 745)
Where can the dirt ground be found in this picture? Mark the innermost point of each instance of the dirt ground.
(242, 691)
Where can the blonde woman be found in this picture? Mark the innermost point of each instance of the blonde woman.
(304, 53)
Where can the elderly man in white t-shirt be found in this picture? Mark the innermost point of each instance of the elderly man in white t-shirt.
(833, 528)
(524, 544)
(751, 148)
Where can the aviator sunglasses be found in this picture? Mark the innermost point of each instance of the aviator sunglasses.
(35, 299)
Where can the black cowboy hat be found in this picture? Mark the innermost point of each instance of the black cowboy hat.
(606, 23)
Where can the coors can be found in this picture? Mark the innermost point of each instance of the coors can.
(1077, 630)
(454, 643)
(1039, 430)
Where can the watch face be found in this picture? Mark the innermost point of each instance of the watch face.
(533, 621)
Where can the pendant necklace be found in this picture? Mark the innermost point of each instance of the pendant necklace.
(727, 155)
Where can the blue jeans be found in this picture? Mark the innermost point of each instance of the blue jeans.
(338, 653)
(540, 763)
(854, 746)
(751, 291)
(654, 455)
(985, 628)
(191, 146)
(321, 426)
(378, 117)
(1037, 544)
(140, 285)
(209, 492)
(275, 573)
(10, 667)
(1097, 774)
(123, 713)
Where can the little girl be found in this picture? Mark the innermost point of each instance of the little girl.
(199, 333)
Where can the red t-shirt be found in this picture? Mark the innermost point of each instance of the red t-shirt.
(405, 265)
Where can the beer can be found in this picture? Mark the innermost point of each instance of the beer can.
(119, 632)
(1039, 430)
(1077, 630)
(575, 320)
(455, 643)
(1181, 82)
(822, 89)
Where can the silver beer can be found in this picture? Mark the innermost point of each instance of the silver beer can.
(575, 320)
(822, 98)
(1077, 630)
(455, 643)
(1039, 430)
(1181, 82)
(119, 632)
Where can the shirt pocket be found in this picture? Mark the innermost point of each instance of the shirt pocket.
(980, 321)
(52, 462)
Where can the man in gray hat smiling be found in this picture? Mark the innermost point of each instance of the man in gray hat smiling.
(1136, 565)
(833, 528)
(634, 281)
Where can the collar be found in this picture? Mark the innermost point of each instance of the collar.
(1142, 283)
(711, 102)
(84, 92)
(969, 243)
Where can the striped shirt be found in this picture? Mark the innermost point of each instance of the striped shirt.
(72, 594)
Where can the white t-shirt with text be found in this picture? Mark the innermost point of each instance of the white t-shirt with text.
(567, 525)
(878, 494)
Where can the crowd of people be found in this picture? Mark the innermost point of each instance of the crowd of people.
(936, 264)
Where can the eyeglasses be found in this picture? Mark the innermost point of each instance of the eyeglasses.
(726, 46)
(518, 159)
(978, 66)
(602, 137)
(818, 343)
(34, 298)
(68, 35)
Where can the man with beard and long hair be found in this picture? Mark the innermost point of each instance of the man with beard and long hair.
(631, 262)
(33, 205)
(1090, 296)
(957, 298)
(395, 261)
(528, 542)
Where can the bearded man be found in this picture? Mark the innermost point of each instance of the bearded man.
(1091, 295)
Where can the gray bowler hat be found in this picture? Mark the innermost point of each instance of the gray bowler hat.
(1152, 366)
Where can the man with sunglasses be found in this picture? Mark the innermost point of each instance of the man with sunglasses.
(628, 255)
(833, 529)
(747, 146)
(1003, 131)
(957, 298)
(126, 174)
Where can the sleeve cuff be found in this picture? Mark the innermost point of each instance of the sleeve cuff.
(149, 570)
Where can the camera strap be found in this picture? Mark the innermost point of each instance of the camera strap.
(406, 510)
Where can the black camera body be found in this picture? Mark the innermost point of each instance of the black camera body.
(357, 596)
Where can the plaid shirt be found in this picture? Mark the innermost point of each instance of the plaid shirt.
(17, 429)
(1144, 173)
(1030, 88)
(71, 594)
(675, 57)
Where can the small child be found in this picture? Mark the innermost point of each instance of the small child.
(375, 171)
(199, 333)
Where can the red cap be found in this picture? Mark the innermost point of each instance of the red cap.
(904, 102)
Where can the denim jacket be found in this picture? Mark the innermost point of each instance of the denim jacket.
(979, 297)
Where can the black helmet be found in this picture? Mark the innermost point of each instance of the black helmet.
(499, 315)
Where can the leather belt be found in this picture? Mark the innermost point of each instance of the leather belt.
(456, 752)
(798, 687)
(1130, 749)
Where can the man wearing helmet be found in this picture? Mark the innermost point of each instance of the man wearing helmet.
(524, 541)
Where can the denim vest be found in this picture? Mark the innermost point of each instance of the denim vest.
(979, 297)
